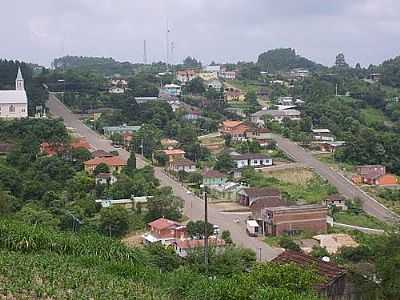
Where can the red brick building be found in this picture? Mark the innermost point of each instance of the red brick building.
(293, 219)
(164, 231)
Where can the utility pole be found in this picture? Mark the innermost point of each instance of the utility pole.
(141, 146)
(205, 228)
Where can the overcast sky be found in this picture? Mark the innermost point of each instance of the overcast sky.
(366, 31)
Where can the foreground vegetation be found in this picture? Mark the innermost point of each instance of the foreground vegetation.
(39, 263)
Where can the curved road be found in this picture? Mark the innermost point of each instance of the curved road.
(194, 207)
(343, 185)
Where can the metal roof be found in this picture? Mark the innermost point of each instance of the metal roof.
(13, 97)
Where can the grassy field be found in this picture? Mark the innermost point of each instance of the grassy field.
(361, 220)
(297, 176)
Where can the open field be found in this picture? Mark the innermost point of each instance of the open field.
(361, 220)
(294, 175)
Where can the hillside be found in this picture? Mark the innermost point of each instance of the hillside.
(38, 263)
(285, 59)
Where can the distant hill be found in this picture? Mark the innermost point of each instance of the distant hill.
(285, 59)
(102, 65)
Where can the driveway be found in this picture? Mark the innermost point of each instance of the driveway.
(194, 206)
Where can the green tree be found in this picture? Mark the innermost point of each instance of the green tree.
(101, 168)
(196, 229)
(224, 163)
(131, 163)
(226, 236)
(32, 214)
(114, 221)
(164, 204)
(288, 244)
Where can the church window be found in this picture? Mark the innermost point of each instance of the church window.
(12, 108)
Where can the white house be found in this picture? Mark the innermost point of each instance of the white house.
(116, 90)
(14, 103)
(215, 84)
(251, 160)
(275, 115)
(227, 75)
(323, 135)
(173, 90)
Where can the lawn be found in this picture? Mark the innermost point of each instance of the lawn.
(361, 219)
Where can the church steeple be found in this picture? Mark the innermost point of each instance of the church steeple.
(19, 82)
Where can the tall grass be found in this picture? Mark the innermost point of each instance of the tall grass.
(26, 238)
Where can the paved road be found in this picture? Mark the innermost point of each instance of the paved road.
(343, 185)
(194, 207)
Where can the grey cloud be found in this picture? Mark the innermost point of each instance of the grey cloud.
(224, 30)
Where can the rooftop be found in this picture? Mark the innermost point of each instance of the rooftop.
(183, 162)
(232, 123)
(247, 156)
(192, 244)
(277, 113)
(109, 161)
(330, 271)
(296, 207)
(174, 151)
(213, 174)
(13, 97)
(163, 223)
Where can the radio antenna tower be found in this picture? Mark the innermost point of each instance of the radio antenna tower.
(172, 52)
(144, 52)
(167, 43)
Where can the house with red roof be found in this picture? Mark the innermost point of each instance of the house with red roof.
(183, 247)
(235, 129)
(174, 154)
(374, 175)
(164, 231)
(115, 163)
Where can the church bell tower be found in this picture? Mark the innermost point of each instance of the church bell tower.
(19, 82)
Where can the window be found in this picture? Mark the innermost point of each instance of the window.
(23, 110)
(11, 109)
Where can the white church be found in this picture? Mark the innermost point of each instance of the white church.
(14, 103)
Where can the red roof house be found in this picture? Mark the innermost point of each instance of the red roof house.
(115, 163)
(164, 230)
(375, 175)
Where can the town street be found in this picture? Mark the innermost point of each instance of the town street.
(343, 185)
(194, 207)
